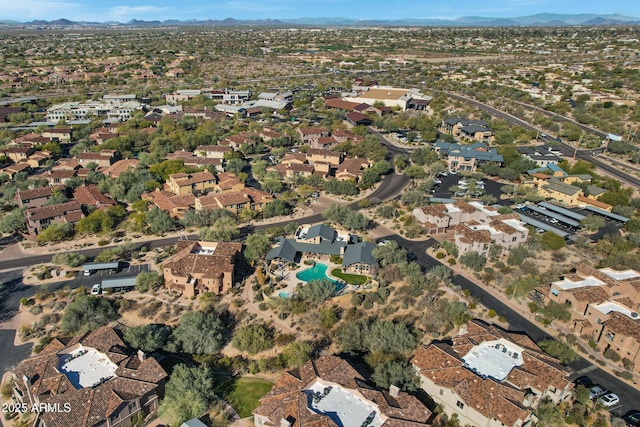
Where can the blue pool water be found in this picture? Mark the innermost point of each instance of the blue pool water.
(284, 295)
(317, 272)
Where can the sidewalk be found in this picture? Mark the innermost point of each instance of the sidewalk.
(555, 329)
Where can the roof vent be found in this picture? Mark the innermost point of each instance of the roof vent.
(634, 315)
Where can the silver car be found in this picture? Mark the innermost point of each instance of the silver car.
(609, 399)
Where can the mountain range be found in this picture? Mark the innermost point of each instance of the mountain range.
(541, 19)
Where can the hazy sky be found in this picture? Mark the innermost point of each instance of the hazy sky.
(125, 10)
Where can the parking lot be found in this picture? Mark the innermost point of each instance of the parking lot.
(97, 277)
(448, 181)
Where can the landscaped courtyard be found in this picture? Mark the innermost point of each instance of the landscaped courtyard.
(242, 393)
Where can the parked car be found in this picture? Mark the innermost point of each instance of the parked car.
(453, 172)
(95, 289)
(596, 391)
(632, 418)
(609, 399)
(583, 381)
(384, 242)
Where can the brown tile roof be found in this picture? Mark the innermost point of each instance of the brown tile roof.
(435, 210)
(228, 180)
(66, 164)
(590, 294)
(442, 363)
(465, 207)
(596, 203)
(340, 104)
(185, 262)
(313, 130)
(470, 236)
(287, 399)
(623, 325)
(293, 158)
(18, 167)
(169, 202)
(354, 165)
(191, 178)
(52, 211)
(120, 166)
(322, 152)
(91, 196)
(504, 227)
(92, 405)
(213, 149)
(37, 193)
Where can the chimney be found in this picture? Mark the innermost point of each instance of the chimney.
(284, 422)
(394, 391)
(142, 356)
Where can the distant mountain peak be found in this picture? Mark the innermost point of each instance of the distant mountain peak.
(539, 19)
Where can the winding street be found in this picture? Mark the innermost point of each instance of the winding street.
(389, 188)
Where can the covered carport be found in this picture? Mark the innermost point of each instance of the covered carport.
(607, 215)
(550, 214)
(542, 225)
(119, 285)
(562, 211)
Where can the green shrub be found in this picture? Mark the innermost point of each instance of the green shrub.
(492, 313)
(624, 374)
(263, 306)
(612, 355)
(440, 255)
(451, 261)
(103, 242)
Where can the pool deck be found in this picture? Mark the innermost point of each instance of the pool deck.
(291, 281)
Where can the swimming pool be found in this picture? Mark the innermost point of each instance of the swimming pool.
(317, 272)
(284, 295)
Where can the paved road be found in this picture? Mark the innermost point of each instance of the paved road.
(581, 154)
(586, 128)
(16, 290)
(629, 396)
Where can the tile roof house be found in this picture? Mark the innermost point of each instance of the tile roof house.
(62, 213)
(189, 159)
(95, 379)
(16, 168)
(235, 201)
(604, 307)
(189, 183)
(57, 176)
(358, 119)
(212, 151)
(175, 205)
(329, 392)
(352, 169)
(490, 376)
(89, 195)
(308, 135)
(18, 153)
(440, 217)
(470, 130)
(120, 166)
(103, 158)
(58, 134)
(200, 266)
(37, 197)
